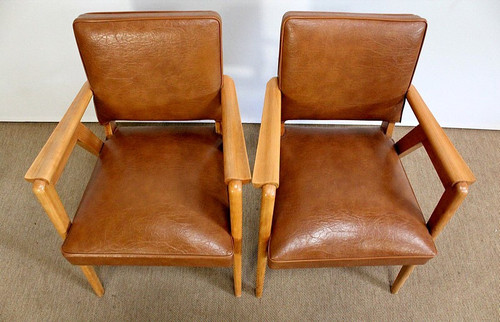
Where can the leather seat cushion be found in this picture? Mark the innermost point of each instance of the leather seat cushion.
(344, 199)
(156, 197)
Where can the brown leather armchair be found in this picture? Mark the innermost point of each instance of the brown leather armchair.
(159, 195)
(339, 196)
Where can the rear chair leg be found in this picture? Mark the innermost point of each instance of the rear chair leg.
(218, 127)
(266, 216)
(49, 199)
(403, 275)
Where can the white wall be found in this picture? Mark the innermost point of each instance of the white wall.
(458, 72)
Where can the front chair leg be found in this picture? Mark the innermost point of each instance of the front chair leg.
(403, 275)
(236, 213)
(266, 216)
(445, 209)
(49, 199)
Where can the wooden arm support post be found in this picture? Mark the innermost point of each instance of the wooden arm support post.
(452, 170)
(266, 172)
(50, 162)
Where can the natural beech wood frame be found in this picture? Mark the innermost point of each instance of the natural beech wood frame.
(50, 162)
(236, 169)
(452, 170)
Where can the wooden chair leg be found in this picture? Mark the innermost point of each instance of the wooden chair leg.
(403, 275)
(50, 201)
(93, 279)
(445, 209)
(387, 128)
(237, 268)
(266, 216)
(236, 213)
(110, 128)
(218, 127)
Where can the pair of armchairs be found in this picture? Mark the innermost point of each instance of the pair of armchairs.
(172, 195)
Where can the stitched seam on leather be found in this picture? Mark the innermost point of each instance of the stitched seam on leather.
(346, 259)
(143, 255)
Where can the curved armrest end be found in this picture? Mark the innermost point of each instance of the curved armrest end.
(54, 154)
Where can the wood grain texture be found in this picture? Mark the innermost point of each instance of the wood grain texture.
(236, 165)
(403, 275)
(451, 199)
(93, 279)
(449, 164)
(410, 142)
(235, 189)
(51, 203)
(50, 161)
(266, 217)
(88, 140)
(267, 160)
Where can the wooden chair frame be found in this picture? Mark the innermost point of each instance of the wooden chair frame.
(452, 170)
(50, 162)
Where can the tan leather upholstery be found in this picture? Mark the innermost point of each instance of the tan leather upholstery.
(344, 199)
(156, 197)
(339, 196)
(152, 65)
(347, 66)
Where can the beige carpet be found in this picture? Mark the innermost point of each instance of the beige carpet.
(36, 282)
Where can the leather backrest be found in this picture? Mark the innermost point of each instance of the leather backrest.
(152, 65)
(347, 66)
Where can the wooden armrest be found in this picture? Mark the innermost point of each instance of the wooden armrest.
(235, 152)
(267, 161)
(50, 162)
(449, 165)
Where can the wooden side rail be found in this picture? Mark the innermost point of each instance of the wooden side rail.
(50, 162)
(267, 160)
(452, 170)
(236, 165)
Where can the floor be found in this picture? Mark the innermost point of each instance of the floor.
(37, 283)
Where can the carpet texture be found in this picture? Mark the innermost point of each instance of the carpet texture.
(37, 283)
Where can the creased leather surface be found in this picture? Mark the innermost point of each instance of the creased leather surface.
(156, 197)
(152, 65)
(347, 66)
(344, 199)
